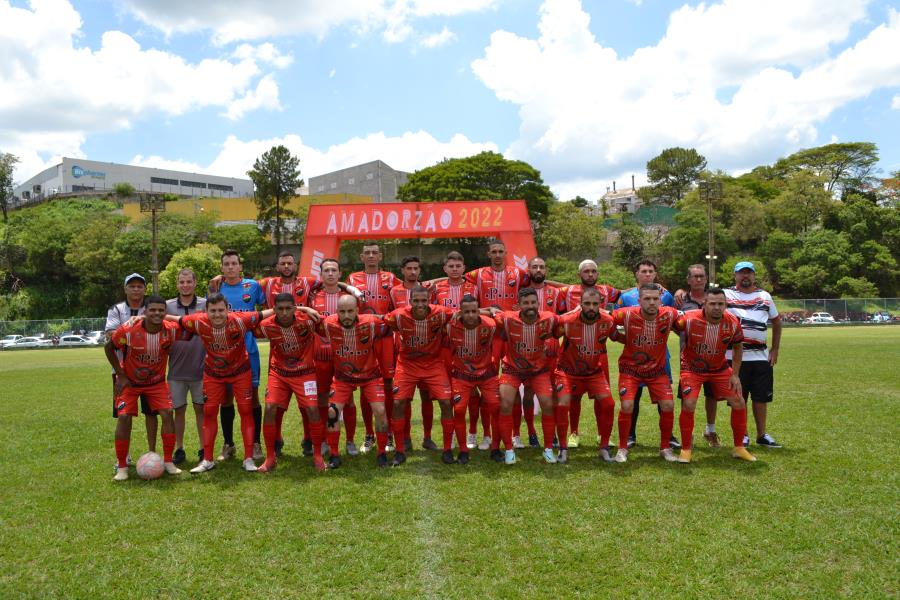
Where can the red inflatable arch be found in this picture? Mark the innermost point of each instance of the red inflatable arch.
(328, 225)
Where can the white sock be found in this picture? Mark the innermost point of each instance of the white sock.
(710, 428)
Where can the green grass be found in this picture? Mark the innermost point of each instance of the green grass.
(815, 519)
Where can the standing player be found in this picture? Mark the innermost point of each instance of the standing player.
(581, 368)
(525, 362)
(497, 285)
(142, 372)
(186, 363)
(292, 370)
(376, 286)
(420, 327)
(708, 334)
(475, 349)
(643, 363)
(354, 343)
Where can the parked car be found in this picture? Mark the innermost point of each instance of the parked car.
(75, 340)
(9, 339)
(96, 337)
(881, 317)
(30, 342)
(821, 318)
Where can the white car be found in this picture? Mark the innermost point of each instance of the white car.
(821, 318)
(881, 317)
(30, 342)
(9, 339)
(96, 337)
(75, 340)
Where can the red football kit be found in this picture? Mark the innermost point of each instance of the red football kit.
(400, 296)
(525, 357)
(325, 303)
(549, 297)
(299, 288)
(226, 363)
(377, 290)
(499, 289)
(291, 361)
(449, 295)
(570, 297)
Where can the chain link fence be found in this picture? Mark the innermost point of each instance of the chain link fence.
(55, 327)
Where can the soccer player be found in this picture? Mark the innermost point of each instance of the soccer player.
(420, 327)
(645, 273)
(242, 295)
(708, 334)
(755, 309)
(142, 372)
(186, 363)
(292, 370)
(475, 348)
(643, 362)
(325, 302)
(227, 365)
(497, 285)
(376, 285)
(581, 368)
(525, 361)
(355, 351)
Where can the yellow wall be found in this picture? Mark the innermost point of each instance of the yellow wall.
(240, 209)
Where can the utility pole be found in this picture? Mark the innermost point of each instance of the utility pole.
(711, 191)
(153, 204)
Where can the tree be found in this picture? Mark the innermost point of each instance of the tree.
(688, 242)
(631, 243)
(203, 259)
(7, 168)
(88, 248)
(569, 232)
(856, 287)
(844, 166)
(124, 190)
(801, 204)
(672, 173)
(276, 177)
(247, 240)
(579, 202)
(485, 176)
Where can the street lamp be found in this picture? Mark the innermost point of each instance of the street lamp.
(710, 191)
(153, 204)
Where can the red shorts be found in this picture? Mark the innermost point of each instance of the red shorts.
(372, 390)
(157, 396)
(660, 387)
(539, 384)
(595, 386)
(691, 384)
(215, 388)
(324, 374)
(280, 388)
(430, 377)
(489, 388)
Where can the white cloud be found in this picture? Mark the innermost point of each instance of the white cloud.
(332, 73)
(55, 91)
(266, 53)
(237, 20)
(445, 36)
(589, 114)
(895, 102)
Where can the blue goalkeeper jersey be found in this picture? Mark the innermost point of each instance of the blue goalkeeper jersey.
(244, 297)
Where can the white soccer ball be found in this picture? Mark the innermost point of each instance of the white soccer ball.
(150, 466)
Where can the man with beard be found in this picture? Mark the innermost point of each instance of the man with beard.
(708, 334)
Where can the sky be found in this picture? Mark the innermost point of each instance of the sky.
(586, 91)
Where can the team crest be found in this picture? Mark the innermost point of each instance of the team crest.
(385, 286)
(511, 282)
(235, 336)
(364, 338)
(246, 297)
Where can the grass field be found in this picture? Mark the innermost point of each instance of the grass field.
(818, 518)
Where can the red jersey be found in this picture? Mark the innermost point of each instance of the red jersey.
(705, 342)
(449, 295)
(475, 352)
(291, 348)
(497, 288)
(570, 296)
(376, 288)
(354, 353)
(146, 354)
(645, 341)
(584, 344)
(420, 341)
(299, 288)
(400, 296)
(325, 303)
(548, 297)
(525, 352)
(226, 352)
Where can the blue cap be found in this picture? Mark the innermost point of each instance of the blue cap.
(744, 265)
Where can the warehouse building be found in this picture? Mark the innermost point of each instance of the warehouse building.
(375, 179)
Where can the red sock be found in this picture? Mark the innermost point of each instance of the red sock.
(168, 440)
(270, 434)
(122, 452)
(407, 422)
(447, 427)
(427, 418)
(307, 434)
(516, 417)
(562, 425)
(505, 424)
(686, 424)
(666, 424)
(334, 442)
(398, 427)
(624, 429)
(366, 409)
(459, 425)
(381, 441)
(487, 420)
(323, 413)
(605, 410)
(528, 413)
(350, 421)
(316, 433)
(574, 416)
(548, 424)
(739, 425)
(279, 419)
(493, 420)
(210, 428)
(474, 404)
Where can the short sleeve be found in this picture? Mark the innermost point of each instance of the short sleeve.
(773, 312)
(119, 337)
(472, 276)
(113, 321)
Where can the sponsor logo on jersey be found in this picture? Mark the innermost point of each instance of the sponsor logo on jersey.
(246, 298)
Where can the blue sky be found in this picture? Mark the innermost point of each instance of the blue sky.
(586, 91)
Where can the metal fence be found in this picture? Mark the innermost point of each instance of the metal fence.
(52, 327)
(851, 310)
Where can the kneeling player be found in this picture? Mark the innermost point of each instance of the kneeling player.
(146, 343)
(291, 371)
(354, 348)
(708, 333)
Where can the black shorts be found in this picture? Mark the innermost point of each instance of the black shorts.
(145, 406)
(757, 380)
